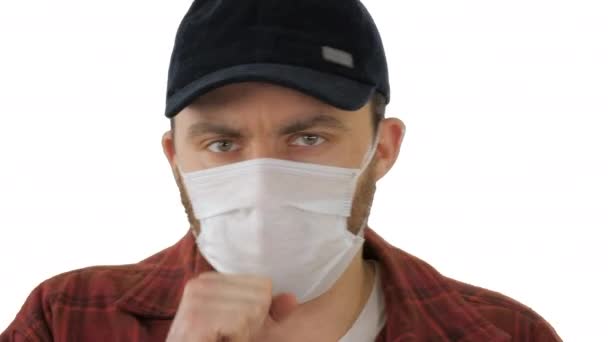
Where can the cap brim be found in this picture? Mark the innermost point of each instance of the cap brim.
(339, 92)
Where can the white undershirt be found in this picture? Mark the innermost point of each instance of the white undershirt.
(372, 318)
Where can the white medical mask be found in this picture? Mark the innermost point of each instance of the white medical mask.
(281, 219)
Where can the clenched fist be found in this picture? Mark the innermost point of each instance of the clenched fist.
(221, 307)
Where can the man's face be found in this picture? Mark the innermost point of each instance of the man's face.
(246, 121)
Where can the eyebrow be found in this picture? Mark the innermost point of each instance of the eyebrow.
(202, 128)
(322, 120)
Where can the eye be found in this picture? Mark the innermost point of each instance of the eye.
(308, 140)
(222, 146)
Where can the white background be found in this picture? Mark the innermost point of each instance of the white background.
(502, 181)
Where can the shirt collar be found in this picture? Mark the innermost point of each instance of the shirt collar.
(157, 292)
(418, 299)
(420, 303)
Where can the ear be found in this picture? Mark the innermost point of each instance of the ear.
(390, 136)
(169, 147)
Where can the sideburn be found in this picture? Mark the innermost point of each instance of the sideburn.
(363, 199)
(195, 225)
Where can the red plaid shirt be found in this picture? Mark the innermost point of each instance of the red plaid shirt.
(138, 302)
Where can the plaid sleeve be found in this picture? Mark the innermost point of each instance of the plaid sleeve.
(30, 324)
(544, 332)
(12, 335)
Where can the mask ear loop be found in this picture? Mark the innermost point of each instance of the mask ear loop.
(369, 156)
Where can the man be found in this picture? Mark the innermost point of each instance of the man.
(277, 139)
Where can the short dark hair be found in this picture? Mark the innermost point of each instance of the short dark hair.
(378, 110)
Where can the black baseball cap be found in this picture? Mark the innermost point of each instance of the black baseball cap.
(328, 49)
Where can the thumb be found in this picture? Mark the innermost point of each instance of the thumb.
(282, 306)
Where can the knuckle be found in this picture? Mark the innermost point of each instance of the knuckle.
(243, 323)
(191, 287)
(256, 312)
(265, 286)
(207, 275)
(200, 283)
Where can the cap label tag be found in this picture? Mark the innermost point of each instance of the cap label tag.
(337, 56)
